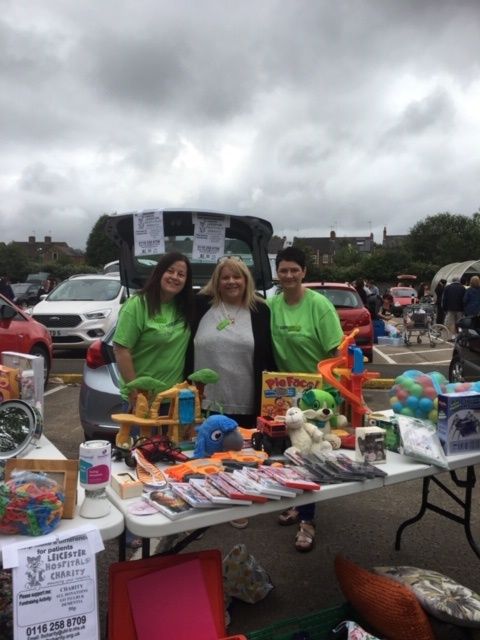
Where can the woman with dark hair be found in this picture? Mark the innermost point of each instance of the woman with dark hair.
(153, 329)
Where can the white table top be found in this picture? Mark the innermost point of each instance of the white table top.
(110, 526)
(398, 467)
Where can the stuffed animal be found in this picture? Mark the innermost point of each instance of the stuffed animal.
(217, 433)
(320, 406)
(304, 436)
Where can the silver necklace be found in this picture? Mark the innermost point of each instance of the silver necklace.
(228, 316)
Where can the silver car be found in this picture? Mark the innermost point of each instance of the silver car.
(245, 236)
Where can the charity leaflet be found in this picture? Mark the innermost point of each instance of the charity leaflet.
(209, 237)
(55, 586)
(149, 237)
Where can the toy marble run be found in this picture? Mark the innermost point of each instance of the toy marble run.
(346, 373)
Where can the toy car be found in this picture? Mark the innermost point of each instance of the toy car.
(270, 435)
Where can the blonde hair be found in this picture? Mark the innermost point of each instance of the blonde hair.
(239, 268)
(475, 281)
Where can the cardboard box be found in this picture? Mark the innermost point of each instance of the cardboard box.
(458, 425)
(9, 388)
(393, 439)
(389, 341)
(370, 445)
(31, 386)
(126, 485)
(280, 391)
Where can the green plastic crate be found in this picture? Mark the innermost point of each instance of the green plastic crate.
(318, 625)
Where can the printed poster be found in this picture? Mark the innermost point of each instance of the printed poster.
(209, 237)
(55, 588)
(148, 233)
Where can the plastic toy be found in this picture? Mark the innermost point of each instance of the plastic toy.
(217, 433)
(346, 373)
(183, 401)
(305, 436)
(270, 435)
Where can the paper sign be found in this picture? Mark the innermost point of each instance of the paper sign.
(55, 589)
(209, 237)
(149, 237)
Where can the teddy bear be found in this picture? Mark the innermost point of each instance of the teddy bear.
(320, 406)
(304, 436)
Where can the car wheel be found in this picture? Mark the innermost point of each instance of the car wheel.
(39, 350)
(455, 370)
(257, 440)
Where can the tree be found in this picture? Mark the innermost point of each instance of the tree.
(100, 249)
(13, 262)
(445, 238)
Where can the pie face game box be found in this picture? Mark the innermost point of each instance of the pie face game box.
(280, 391)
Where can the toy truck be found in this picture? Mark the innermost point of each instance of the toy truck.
(270, 436)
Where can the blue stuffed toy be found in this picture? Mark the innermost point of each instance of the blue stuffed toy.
(217, 433)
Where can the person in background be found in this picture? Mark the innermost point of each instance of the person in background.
(385, 313)
(471, 298)
(438, 301)
(305, 330)
(153, 330)
(6, 290)
(374, 290)
(233, 338)
(452, 304)
(360, 288)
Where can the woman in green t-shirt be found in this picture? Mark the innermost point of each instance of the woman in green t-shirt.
(153, 329)
(305, 329)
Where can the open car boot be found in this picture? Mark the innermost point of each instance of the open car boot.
(305, 538)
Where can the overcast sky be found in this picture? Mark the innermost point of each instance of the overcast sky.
(315, 114)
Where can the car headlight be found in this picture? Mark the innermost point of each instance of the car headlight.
(397, 304)
(98, 315)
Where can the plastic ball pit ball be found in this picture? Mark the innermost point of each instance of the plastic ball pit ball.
(415, 393)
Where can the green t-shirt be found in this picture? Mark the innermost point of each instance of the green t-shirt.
(303, 333)
(158, 344)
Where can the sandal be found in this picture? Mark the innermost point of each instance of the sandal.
(288, 517)
(241, 523)
(305, 538)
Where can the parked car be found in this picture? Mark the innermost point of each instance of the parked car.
(19, 332)
(245, 236)
(465, 363)
(81, 309)
(351, 311)
(26, 293)
(402, 296)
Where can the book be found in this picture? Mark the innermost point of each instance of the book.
(193, 496)
(266, 486)
(168, 503)
(240, 486)
(209, 490)
(290, 478)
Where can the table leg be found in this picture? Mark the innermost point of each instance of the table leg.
(122, 546)
(466, 504)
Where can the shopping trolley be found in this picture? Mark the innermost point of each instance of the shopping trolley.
(419, 321)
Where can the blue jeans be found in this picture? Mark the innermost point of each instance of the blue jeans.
(307, 511)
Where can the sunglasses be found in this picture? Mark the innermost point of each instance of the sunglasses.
(232, 257)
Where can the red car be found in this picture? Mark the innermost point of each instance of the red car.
(350, 309)
(402, 296)
(19, 332)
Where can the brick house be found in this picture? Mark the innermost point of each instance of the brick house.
(49, 251)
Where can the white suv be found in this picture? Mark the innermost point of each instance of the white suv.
(81, 309)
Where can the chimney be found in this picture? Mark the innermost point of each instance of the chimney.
(384, 232)
(48, 239)
(31, 239)
(332, 235)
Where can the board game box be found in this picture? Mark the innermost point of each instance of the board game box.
(280, 391)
